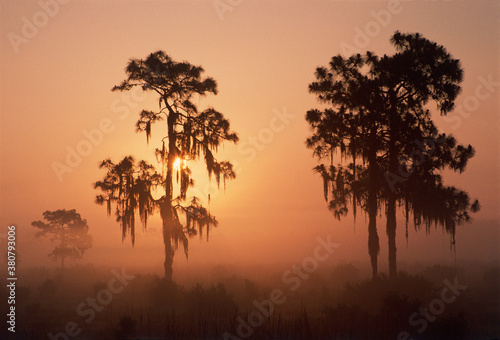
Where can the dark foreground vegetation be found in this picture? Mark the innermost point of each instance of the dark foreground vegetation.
(86, 302)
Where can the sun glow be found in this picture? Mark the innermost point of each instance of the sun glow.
(177, 164)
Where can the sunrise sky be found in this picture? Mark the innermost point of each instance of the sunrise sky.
(55, 91)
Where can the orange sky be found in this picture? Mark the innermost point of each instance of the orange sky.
(56, 82)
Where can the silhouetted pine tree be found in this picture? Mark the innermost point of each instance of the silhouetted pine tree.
(68, 229)
(352, 127)
(379, 115)
(191, 134)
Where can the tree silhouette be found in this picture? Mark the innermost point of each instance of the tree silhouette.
(420, 73)
(353, 128)
(191, 134)
(381, 111)
(70, 231)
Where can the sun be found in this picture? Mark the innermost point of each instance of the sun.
(177, 164)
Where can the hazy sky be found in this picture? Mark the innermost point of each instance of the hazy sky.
(57, 71)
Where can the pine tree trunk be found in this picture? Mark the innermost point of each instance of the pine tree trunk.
(167, 213)
(169, 251)
(63, 243)
(391, 199)
(391, 234)
(373, 240)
